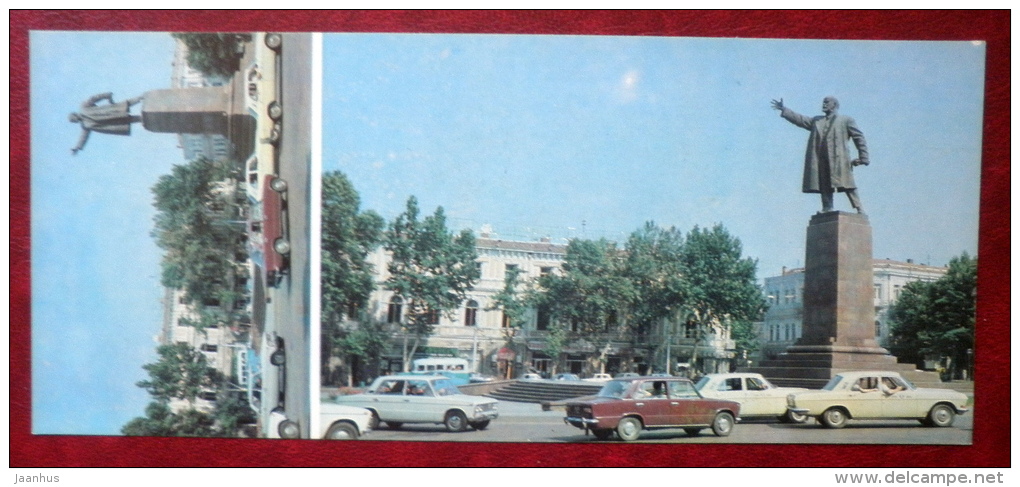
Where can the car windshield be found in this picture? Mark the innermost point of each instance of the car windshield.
(614, 388)
(833, 382)
(444, 387)
(702, 382)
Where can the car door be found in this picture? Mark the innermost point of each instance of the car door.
(687, 407)
(902, 401)
(388, 401)
(421, 405)
(651, 401)
(865, 399)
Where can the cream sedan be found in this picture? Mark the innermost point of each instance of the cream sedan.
(877, 395)
(758, 398)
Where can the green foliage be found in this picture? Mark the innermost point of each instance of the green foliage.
(180, 373)
(214, 54)
(348, 236)
(193, 206)
(512, 301)
(937, 318)
(159, 420)
(431, 268)
(654, 265)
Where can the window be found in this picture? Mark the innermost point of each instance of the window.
(206, 347)
(878, 328)
(691, 329)
(731, 385)
(506, 320)
(546, 271)
(755, 384)
(351, 310)
(432, 317)
(543, 318)
(393, 314)
(471, 313)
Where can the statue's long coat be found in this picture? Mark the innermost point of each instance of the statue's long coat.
(112, 118)
(827, 159)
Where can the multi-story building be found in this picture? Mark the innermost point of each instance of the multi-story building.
(785, 292)
(211, 146)
(482, 334)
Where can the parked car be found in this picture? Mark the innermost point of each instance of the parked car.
(476, 378)
(531, 376)
(337, 422)
(628, 406)
(626, 375)
(400, 399)
(877, 395)
(567, 377)
(599, 378)
(758, 398)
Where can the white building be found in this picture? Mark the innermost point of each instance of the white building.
(784, 293)
(483, 335)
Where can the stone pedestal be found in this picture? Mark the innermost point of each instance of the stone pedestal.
(838, 331)
(198, 110)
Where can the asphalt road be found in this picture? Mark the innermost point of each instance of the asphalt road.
(290, 306)
(527, 423)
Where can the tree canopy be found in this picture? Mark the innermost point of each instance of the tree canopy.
(180, 373)
(214, 54)
(431, 268)
(936, 319)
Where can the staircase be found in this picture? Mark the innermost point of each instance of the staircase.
(542, 391)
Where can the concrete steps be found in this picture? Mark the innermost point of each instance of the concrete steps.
(542, 391)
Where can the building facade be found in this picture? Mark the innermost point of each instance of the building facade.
(479, 332)
(785, 295)
(210, 146)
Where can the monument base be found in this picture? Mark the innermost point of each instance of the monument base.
(838, 309)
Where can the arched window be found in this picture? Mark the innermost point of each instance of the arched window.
(471, 313)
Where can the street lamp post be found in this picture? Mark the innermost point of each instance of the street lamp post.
(474, 347)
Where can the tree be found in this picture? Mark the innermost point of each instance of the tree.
(936, 319)
(722, 292)
(431, 269)
(195, 207)
(160, 420)
(655, 266)
(214, 54)
(348, 236)
(591, 294)
(512, 302)
(180, 373)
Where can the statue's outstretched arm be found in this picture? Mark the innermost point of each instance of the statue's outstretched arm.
(81, 141)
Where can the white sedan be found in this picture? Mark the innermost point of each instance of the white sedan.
(756, 395)
(337, 422)
(400, 399)
(877, 395)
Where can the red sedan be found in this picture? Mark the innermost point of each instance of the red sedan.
(629, 406)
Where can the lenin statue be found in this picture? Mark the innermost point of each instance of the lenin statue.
(827, 164)
(109, 118)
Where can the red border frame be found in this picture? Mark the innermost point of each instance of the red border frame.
(991, 435)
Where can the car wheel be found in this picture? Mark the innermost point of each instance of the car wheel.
(373, 423)
(278, 358)
(455, 421)
(941, 415)
(274, 41)
(274, 110)
(394, 425)
(342, 431)
(792, 417)
(629, 429)
(480, 425)
(275, 134)
(288, 429)
(692, 431)
(282, 246)
(722, 425)
(602, 434)
(834, 418)
(278, 185)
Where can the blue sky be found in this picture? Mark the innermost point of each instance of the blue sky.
(95, 269)
(533, 135)
(587, 136)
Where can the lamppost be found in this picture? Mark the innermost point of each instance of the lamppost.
(970, 364)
